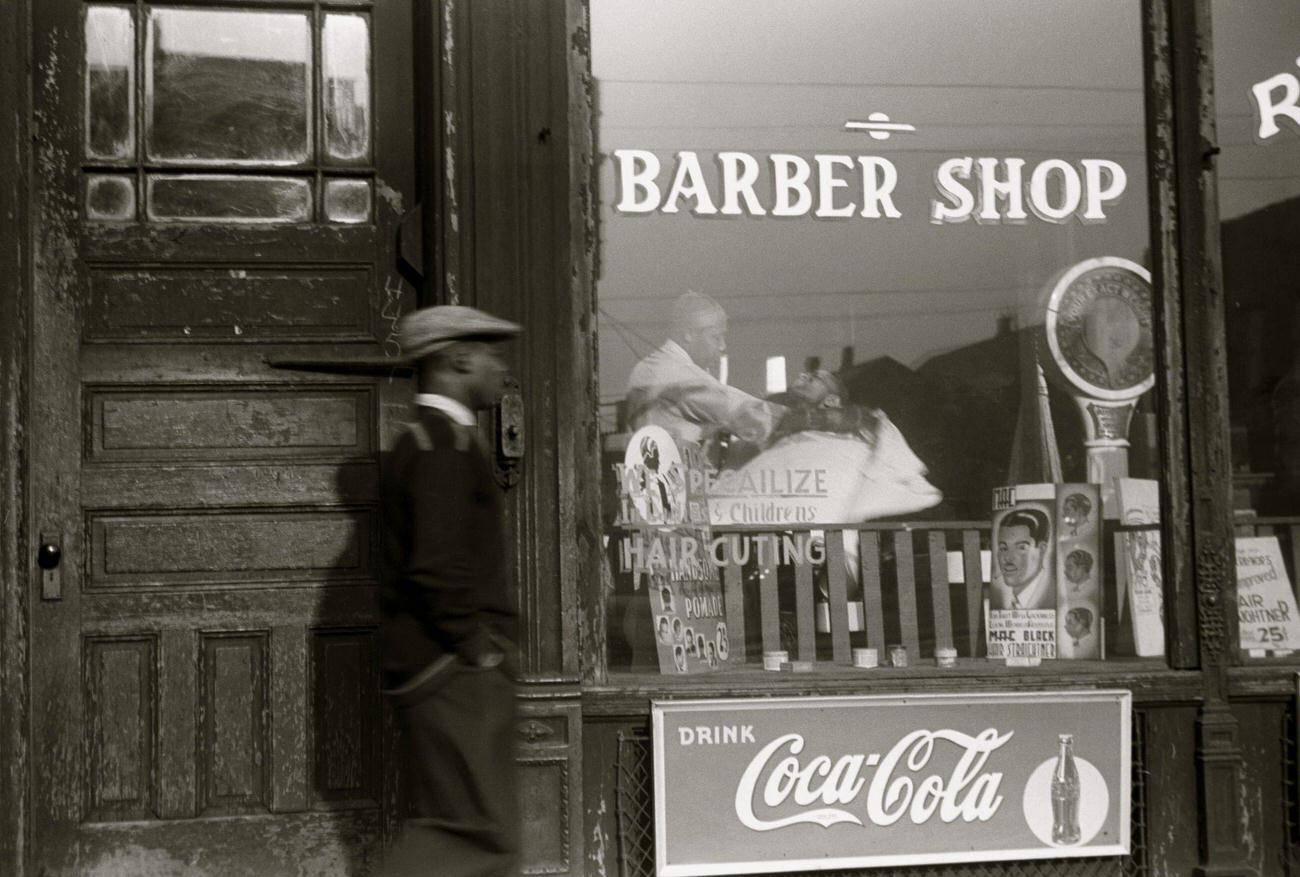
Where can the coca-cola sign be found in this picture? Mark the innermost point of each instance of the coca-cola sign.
(795, 784)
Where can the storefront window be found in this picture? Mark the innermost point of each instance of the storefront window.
(862, 266)
(1257, 95)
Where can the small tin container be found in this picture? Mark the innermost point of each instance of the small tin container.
(866, 658)
(898, 656)
(945, 657)
(774, 659)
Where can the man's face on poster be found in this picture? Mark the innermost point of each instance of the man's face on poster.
(1078, 623)
(706, 341)
(1020, 557)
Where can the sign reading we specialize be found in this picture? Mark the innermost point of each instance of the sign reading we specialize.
(790, 784)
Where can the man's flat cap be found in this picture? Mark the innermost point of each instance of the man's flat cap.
(431, 329)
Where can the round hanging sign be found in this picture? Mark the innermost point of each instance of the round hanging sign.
(1099, 319)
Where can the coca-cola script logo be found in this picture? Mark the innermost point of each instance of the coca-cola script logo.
(900, 786)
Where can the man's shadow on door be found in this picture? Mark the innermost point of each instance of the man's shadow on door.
(353, 743)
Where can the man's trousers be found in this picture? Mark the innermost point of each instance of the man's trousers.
(461, 776)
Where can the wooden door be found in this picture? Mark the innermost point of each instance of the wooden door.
(218, 190)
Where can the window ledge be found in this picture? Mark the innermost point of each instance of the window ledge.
(1267, 678)
(630, 694)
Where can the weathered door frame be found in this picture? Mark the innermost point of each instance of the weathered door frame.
(15, 289)
(498, 219)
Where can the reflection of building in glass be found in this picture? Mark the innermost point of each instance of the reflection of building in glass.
(959, 412)
(347, 116)
(1261, 267)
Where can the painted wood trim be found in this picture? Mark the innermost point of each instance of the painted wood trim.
(1171, 381)
(733, 598)
(1205, 364)
(629, 696)
(550, 736)
(769, 611)
(1219, 762)
(837, 596)
(577, 433)
(588, 579)
(872, 597)
(15, 304)
(493, 92)
(444, 119)
(55, 783)
(289, 732)
(973, 570)
(503, 231)
(940, 596)
(804, 609)
(908, 620)
(177, 705)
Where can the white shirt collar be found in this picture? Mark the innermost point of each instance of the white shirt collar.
(453, 409)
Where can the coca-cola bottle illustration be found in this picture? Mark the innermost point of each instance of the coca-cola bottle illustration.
(1065, 794)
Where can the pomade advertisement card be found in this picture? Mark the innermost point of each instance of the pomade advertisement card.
(666, 543)
(1023, 595)
(1139, 569)
(1079, 630)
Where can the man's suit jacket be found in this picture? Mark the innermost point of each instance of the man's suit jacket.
(444, 590)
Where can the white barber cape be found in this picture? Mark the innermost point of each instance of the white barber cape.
(863, 480)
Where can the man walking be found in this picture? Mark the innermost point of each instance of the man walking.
(449, 628)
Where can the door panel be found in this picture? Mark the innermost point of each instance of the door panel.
(204, 688)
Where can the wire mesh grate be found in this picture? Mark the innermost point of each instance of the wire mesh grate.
(1290, 791)
(635, 802)
(635, 797)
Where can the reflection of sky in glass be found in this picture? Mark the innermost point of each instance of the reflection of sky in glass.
(993, 79)
(1259, 208)
(260, 36)
(1253, 42)
(228, 198)
(345, 56)
(346, 47)
(108, 37)
(228, 86)
(110, 83)
(347, 201)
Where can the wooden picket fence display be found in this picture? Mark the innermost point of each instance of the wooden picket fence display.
(872, 539)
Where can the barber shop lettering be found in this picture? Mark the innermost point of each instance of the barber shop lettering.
(1274, 98)
(968, 793)
(986, 189)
